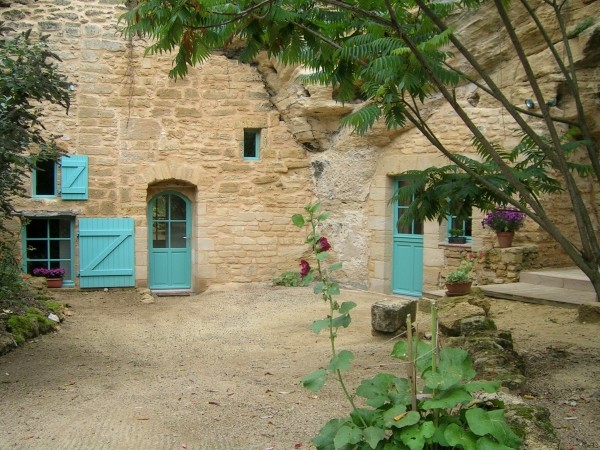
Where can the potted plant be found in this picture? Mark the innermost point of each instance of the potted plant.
(458, 281)
(504, 221)
(53, 277)
(456, 236)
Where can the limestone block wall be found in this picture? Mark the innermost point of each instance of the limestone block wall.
(492, 265)
(145, 133)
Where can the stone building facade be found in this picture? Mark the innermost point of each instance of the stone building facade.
(154, 145)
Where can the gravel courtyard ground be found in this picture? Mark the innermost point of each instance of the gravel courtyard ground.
(222, 370)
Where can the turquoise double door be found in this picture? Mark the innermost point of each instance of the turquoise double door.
(407, 254)
(169, 225)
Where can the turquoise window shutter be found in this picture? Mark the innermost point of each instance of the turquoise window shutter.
(74, 178)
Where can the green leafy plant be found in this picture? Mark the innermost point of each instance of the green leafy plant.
(392, 414)
(462, 274)
(11, 282)
(456, 232)
(290, 279)
(29, 82)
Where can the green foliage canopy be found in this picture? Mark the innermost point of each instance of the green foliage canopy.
(29, 78)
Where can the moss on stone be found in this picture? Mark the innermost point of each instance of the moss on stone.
(31, 324)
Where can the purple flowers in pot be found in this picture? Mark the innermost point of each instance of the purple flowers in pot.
(49, 273)
(504, 219)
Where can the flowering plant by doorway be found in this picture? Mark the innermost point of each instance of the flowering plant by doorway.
(504, 219)
(49, 273)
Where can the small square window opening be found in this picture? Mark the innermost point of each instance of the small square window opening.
(251, 143)
(44, 179)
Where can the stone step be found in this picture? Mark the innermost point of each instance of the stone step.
(172, 293)
(567, 278)
(541, 294)
(566, 287)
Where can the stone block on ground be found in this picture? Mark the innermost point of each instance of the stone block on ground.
(389, 316)
(589, 312)
(476, 324)
(424, 304)
(450, 316)
(494, 357)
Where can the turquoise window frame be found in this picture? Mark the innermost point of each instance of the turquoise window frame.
(414, 228)
(251, 150)
(34, 183)
(450, 221)
(48, 261)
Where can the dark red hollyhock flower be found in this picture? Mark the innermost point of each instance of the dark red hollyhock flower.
(323, 245)
(304, 268)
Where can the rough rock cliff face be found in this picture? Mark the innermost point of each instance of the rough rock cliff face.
(352, 174)
(145, 133)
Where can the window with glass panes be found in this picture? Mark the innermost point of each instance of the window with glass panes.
(48, 244)
(414, 227)
(465, 225)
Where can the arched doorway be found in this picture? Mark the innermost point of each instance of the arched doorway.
(169, 252)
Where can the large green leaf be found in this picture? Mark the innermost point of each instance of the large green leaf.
(384, 388)
(318, 287)
(341, 361)
(374, 435)
(335, 266)
(322, 256)
(486, 443)
(318, 325)
(398, 417)
(487, 386)
(346, 307)
(483, 422)
(298, 220)
(315, 380)
(341, 321)
(333, 289)
(347, 434)
(416, 436)
(458, 436)
(448, 398)
(324, 440)
(455, 366)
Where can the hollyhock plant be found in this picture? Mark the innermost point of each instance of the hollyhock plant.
(304, 268)
(323, 245)
(504, 219)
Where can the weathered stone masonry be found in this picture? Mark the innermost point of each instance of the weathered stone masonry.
(145, 134)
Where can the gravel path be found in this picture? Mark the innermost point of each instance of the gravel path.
(222, 370)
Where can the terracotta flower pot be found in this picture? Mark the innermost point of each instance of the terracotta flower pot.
(54, 282)
(505, 238)
(454, 289)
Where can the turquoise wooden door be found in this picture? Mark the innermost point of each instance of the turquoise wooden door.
(407, 255)
(106, 252)
(169, 243)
